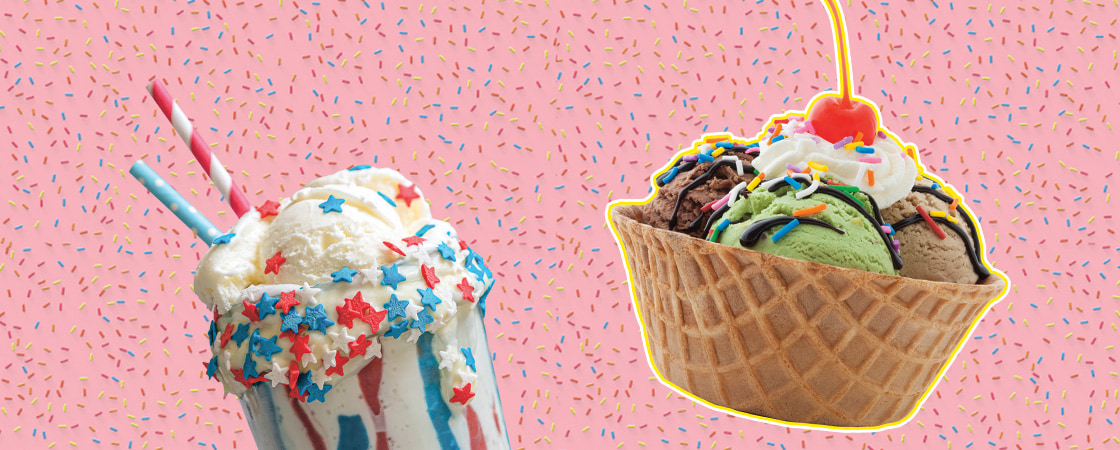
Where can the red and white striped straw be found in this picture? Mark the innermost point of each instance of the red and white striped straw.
(201, 150)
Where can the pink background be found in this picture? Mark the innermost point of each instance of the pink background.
(532, 116)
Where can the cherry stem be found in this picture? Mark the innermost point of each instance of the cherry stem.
(840, 39)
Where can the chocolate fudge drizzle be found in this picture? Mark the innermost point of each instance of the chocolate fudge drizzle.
(755, 232)
(971, 239)
(683, 166)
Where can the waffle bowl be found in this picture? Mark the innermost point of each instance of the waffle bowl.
(796, 341)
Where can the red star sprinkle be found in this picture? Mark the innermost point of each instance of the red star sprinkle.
(462, 244)
(413, 240)
(226, 334)
(394, 248)
(272, 265)
(429, 274)
(339, 361)
(466, 289)
(268, 208)
(353, 308)
(299, 348)
(359, 346)
(293, 380)
(408, 194)
(374, 318)
(287, 301)
(462, 396)
(251, 311)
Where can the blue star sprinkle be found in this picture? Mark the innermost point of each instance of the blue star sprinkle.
(469, 357)
(446, 252)
(212, 367)
(314, 392)
(332, 204)
(254, 340)
(316, 318)
(212, 334)
(223, 239)
(266, 347)
(428, 298)
(391, 276)
(396, 329)
(422, 320)
(267, 305)
(291, 322)
(344, 274)
(250, 368)
(474, 264)
(304, 383)
(241, 334)
(395, 307)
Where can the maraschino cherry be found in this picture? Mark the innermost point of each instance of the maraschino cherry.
(835, 117)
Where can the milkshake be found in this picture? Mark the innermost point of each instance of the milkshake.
(347, 317)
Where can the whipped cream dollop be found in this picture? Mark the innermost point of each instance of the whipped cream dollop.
(304, 290)
(882, 170)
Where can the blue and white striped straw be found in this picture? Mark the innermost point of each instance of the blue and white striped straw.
(175, 202)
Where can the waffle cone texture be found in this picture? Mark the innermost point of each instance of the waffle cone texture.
(792, 340)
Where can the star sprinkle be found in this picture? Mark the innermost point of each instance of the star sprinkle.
(407, 193)
(392, 276)
(332, 204)
(212, 367)
(315, 317)
(359, 346)
(267, 347)
(467, 290)
(413, 241)
(300, 347)
(268, 208)
(250, 311)
(294, 377)
(250, 368)
(469, 357)
(448, 357)
(395, 307)
(276, 375)
(314, 392)
(429, 275)
(462, 395)
(226, 334)
(344, 274)
(241, 334)
(423, 319)
(223, 239)
(446, 252)
(336, 367)
(341, 339)
(287, 301)
(428, 298)
(352, 308)
(266, 305)
(272, 265)
(291, 322)
(396, 329)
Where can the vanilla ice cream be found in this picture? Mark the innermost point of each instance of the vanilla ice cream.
(347, 312)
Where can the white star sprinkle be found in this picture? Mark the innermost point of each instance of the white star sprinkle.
(277, 375)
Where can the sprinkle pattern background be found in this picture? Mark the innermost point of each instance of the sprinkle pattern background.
(521, 121)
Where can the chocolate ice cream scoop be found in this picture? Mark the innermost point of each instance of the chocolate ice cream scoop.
(947, 253)
(696, 181)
